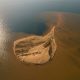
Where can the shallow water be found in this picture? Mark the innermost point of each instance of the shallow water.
(64, 66)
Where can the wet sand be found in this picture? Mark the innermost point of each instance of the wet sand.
(66, 62)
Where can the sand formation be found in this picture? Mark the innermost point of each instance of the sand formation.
(36, 49)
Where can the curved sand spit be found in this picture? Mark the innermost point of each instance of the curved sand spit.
(35, 49)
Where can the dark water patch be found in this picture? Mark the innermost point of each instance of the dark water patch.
(30, 26)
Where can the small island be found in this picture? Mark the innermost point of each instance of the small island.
(36, 49)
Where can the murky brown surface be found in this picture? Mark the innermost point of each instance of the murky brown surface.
(65, 64)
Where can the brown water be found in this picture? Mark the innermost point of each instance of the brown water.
(66, 62)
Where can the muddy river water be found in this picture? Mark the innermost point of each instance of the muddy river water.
(64, 66)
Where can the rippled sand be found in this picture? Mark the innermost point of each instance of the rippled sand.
(66, 62)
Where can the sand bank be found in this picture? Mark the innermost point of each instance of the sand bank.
(35, 49)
